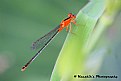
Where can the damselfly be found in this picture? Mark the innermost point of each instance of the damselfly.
(45, 40)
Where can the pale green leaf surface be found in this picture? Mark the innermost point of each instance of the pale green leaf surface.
(73, 55)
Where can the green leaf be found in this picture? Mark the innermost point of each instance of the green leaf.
(74, 53)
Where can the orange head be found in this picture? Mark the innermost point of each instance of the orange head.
(71, 15)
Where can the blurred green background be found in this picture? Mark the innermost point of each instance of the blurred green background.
(21, 23)
(24, 21)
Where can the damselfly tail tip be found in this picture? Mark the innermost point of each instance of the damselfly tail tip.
(23, 68)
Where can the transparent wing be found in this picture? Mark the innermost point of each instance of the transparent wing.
(45, 39)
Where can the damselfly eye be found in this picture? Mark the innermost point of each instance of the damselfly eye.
(74, 16)
(70, 15)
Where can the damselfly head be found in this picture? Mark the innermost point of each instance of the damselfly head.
(71, 15)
